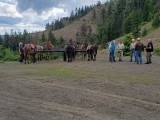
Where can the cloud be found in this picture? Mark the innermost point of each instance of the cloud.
(33, 15)
(9, 20)
(42, 5)
(7, 9)
(37, 5)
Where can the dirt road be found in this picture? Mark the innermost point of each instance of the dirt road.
(81, 90)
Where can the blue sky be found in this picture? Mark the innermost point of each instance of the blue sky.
(33, 15)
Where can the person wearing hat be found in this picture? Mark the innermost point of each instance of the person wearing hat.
(139, 47)
(132, 50)
(149, 50)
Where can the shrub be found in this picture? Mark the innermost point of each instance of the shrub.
(127, 42)
(144, 33)
(8, 55)
(157, 51)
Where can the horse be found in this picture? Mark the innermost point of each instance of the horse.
(26, 51)
(75, 47)
(92, 52)
(70, 51)
(84, 48)
(21, 51)
(39, 54)
(48, 46)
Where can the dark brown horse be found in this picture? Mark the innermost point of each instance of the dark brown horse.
(48, 46)
(92, 52)
(70, 52)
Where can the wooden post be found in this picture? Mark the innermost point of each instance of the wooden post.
(64, 56)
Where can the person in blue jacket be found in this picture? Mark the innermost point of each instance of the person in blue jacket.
(111, 52)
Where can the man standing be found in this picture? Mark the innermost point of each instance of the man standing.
(120, 48)
(132, 50)
(149, 50)
(139, 47)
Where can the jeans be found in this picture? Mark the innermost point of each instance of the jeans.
(139, 57)
(132, 52)
(111, 56)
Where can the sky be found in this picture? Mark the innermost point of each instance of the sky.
(33, 15)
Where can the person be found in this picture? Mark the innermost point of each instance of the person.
(132, 50)
(139, 47)
(149, 50)
(111, 52)
(120, 48)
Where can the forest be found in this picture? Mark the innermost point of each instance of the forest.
(118, 18)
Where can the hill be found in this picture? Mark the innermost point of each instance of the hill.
(72, 30)
(102, 24)
(155, 36)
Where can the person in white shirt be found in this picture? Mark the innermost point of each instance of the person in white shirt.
(120, 48)
(132, 50)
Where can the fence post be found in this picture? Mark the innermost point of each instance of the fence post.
(64, 56)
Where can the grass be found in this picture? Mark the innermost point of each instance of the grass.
(9, 69)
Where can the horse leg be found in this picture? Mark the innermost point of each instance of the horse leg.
(28, 58)
(85, 55)
(25, 58)
(68, 56)
(34, 58)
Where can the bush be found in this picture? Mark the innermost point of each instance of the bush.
(127, 42)
(144, 33)
(157, 51)
(8, 55)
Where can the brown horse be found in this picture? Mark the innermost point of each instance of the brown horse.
(84, 48)
(92, 52)
(29, 51)
(48, 46)
(26, 51)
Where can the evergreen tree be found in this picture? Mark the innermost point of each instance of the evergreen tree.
(94, 14)
(51, 37)
(144, 33)
(6, 42)
(24, 37)
(47, 26)
(43, 38)
(103, 14)
(156, 21)
(1, 39)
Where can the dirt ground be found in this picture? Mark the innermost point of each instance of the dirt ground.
(82, 90)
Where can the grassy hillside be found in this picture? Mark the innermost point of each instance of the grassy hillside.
(70, 31)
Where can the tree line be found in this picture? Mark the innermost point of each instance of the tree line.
(75, 14)
(11, 41)
(126, 16)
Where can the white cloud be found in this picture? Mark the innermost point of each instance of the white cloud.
(9, 10)
(32, 15)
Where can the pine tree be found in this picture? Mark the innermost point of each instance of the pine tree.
(43, 38)
(94, 14)
(156, 21)
(144, 33)
(51, 37)
(1, 40)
